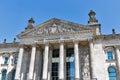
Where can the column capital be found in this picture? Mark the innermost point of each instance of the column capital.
(46, 42)
(38, 46)
(34, 45)
(90, 40)
(21, 45)
(116, 46)
(76, 41)
(51, 47)
(61, 41)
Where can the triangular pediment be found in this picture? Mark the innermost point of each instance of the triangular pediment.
(54, 26)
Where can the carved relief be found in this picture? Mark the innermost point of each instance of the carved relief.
(84, 62)
(56, 28)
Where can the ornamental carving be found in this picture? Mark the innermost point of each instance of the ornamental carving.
(55, 28)
(84, 62)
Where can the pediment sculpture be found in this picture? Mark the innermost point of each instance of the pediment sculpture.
(54, 27)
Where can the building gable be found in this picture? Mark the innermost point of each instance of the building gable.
(54, 27)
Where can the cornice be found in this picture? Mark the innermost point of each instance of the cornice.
(9, 45)
(106, 37)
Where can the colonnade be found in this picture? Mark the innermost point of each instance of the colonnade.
(46, 61)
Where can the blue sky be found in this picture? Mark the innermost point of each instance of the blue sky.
(14, 14)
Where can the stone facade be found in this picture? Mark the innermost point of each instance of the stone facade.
(80, 52)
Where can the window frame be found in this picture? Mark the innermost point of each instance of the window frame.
(110, 55)
(114, 73)
(4, 76)
(6, 60)
(110, 49)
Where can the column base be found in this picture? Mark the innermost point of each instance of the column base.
(44, 79)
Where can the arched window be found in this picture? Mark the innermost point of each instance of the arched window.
(4, 72)
(13, 75)
(112, 73)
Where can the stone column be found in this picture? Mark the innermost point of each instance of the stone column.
(61, 63)
(32, 62)
(45, 63)
(118, 60)
(19, 64)
(91, 58)
(50, 65)
(76, 58)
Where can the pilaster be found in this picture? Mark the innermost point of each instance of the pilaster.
(91, 45)
(118, 60)
(9, 65)
(20, 57)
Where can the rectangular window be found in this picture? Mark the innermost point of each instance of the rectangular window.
(15, 59)
(110, 55)
(55, 53)
(70, 64)
(54, 71)
(6, 60)
(55, 65)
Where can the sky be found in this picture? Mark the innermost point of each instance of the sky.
(14, 14)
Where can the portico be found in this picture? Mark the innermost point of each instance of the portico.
(45, 50)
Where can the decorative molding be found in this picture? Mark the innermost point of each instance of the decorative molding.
(107, 37)
(9, 45)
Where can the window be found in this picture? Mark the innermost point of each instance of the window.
(55, 65)
(70, 64)
(112, 73)
(4, 72)
(6, 60)
(15, 59)
(54, 71)
(13, 75)
(55, 53)
(110, 55)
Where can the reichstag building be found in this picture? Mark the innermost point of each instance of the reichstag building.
(61, 50)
